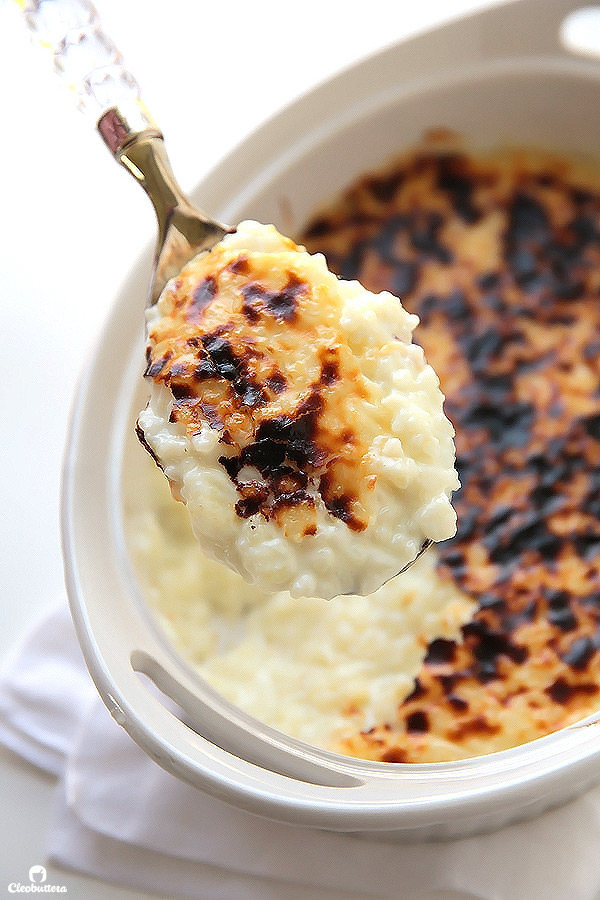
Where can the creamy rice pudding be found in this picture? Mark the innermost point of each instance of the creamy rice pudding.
(499, 256)
(296, 419)
(493, 638)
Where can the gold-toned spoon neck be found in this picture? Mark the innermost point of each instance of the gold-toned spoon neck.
(122, 125)
(183, 230)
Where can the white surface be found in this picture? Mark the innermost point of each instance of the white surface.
(72, 224)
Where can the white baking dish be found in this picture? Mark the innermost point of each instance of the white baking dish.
(499, 76)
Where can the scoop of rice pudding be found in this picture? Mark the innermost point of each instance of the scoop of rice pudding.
(295, 418)
(321, 672)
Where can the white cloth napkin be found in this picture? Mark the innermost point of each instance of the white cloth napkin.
(121, 818)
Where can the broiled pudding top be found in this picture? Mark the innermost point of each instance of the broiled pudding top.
(250, 346)
(303, 401)
(500, 259)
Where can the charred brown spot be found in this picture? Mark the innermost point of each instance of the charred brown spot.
(253, 496)
(205, 370)
(460, 704)
(417, 721)
(454, 179)
(297, 432)
(441, 650)
(489, 646)
(330, 373)
(240, 266)
(478, 726)
(340, 505)
(251, 395)
(580, 653)
(211, 413)
(330, 367)
(281, 487)
(232, 465)
(318, 228)
(283, 451)
(287, 453)
(561, 691)
(383, 188)
(560, 613)
(202, 295)
(155, 367)
(276, 382)
(279, 304)
(182, 390)
(221, 361)
(265, 454)
(222, 356)
(395, 755)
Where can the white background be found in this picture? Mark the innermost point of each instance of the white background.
(72, 223)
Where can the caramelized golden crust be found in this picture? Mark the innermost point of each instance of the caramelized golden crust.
(296, 419)
(285, 399)
(500, 258)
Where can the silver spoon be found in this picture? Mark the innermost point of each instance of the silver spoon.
(89, 61)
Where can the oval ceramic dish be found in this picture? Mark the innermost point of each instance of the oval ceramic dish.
(499, 76)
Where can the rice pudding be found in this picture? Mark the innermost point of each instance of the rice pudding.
(492, 639)
(296, 419)
(499, 256)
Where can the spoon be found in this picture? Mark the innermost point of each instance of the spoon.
(93, 67)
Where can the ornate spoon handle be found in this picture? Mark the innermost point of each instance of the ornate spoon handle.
(89, 62)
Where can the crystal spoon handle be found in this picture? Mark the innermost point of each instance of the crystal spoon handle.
(88, 61)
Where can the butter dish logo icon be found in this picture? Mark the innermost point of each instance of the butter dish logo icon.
(37, 874)
(37, 884)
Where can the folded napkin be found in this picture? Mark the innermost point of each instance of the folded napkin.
(120, 817)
